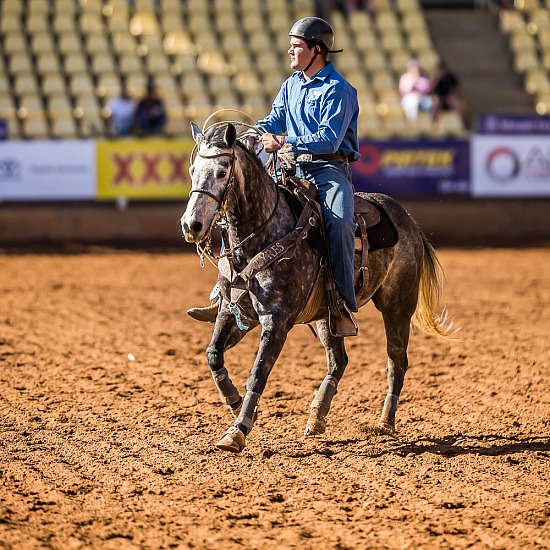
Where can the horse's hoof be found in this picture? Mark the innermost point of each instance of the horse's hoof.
(315, 426)
(233, 441)
(385, 428)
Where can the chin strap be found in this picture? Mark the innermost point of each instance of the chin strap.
(312, 60)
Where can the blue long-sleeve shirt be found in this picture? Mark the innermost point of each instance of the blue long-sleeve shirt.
(319, 115)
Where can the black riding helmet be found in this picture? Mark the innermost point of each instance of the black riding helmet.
(315, 29)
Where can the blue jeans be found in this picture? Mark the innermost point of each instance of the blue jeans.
(335, 194)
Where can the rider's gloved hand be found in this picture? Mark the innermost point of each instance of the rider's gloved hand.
(287, 159)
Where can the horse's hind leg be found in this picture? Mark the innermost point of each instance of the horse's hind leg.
(397, 324)
(337, 361)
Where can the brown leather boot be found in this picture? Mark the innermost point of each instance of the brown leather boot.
(204, 314)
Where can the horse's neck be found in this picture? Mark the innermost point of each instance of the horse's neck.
(257, 203)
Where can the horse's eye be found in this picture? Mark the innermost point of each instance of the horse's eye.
(221, 174)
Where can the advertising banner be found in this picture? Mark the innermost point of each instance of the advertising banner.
(513, 124)
(510, 166)
(47, 170)
(420, 167)
(149, 169)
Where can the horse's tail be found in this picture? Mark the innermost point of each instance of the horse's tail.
(429, 293)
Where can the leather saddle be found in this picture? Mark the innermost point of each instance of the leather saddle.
(366, 216)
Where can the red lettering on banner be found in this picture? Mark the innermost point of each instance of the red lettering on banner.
(177, 164)
(369, 163)
(151, 165)
(123, 168)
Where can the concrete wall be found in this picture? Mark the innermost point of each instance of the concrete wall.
(446, 221)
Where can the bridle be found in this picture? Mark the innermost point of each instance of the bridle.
(230, 179)
(204, 247)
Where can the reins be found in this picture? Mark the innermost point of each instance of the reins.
(205, 250)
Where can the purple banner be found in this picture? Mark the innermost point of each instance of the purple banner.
(513, 124)
(422, 167)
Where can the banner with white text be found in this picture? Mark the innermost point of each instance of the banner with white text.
(510, 166)
(47, 170)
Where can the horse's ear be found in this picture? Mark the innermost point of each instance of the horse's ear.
(198, 136)
(230, 135)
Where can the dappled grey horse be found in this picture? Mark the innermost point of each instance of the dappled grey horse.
(231, 187)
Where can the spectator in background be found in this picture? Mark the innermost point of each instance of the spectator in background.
(121, 114)
(446, 91)
(150, 113)
(414, 89)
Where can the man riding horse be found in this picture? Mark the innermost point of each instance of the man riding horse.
(313, 123)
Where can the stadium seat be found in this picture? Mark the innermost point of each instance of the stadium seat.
(48, 62)
(14, 42)
(102, 62)
(37, 22)
(20, 62)
(75, 62)
(64, 128)
(108, 85)
(25, 83)
(392, 41)
(91, 23)
(525, 61)
(81, 84)
(41, 7)
(156, 62)
(449, 123)
(178, 43)
(536, 81)
(366, 41)
(136, 84)
(10, 22)
(213, 62)
(7, 106)
(35, 127)
(360, 22)
(118, 22)
(183, 64)
(171, 21)
(375, 60)
(96, 43)
(129, 63)
(69, 42)
(11, 6)
(510, 21)
(53, 83)
(123, 43)
(521, 41)
(59, 105)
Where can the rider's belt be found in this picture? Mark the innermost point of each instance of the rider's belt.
(328, 157)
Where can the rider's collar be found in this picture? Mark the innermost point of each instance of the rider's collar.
(321, 75)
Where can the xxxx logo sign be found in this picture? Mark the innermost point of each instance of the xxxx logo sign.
(148, 169)
(145, 169)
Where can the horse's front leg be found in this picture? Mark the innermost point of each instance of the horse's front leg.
(226, 335)
(273, 337)
(337, 360)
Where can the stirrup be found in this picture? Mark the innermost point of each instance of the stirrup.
(345, 325)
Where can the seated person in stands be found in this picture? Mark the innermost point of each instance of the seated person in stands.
(446, 91)
(414, 89)
(150, 113)
(121, 114)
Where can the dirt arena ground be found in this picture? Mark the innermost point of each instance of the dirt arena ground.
(108, 416)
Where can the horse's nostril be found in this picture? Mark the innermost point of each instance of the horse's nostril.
(196, 227)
